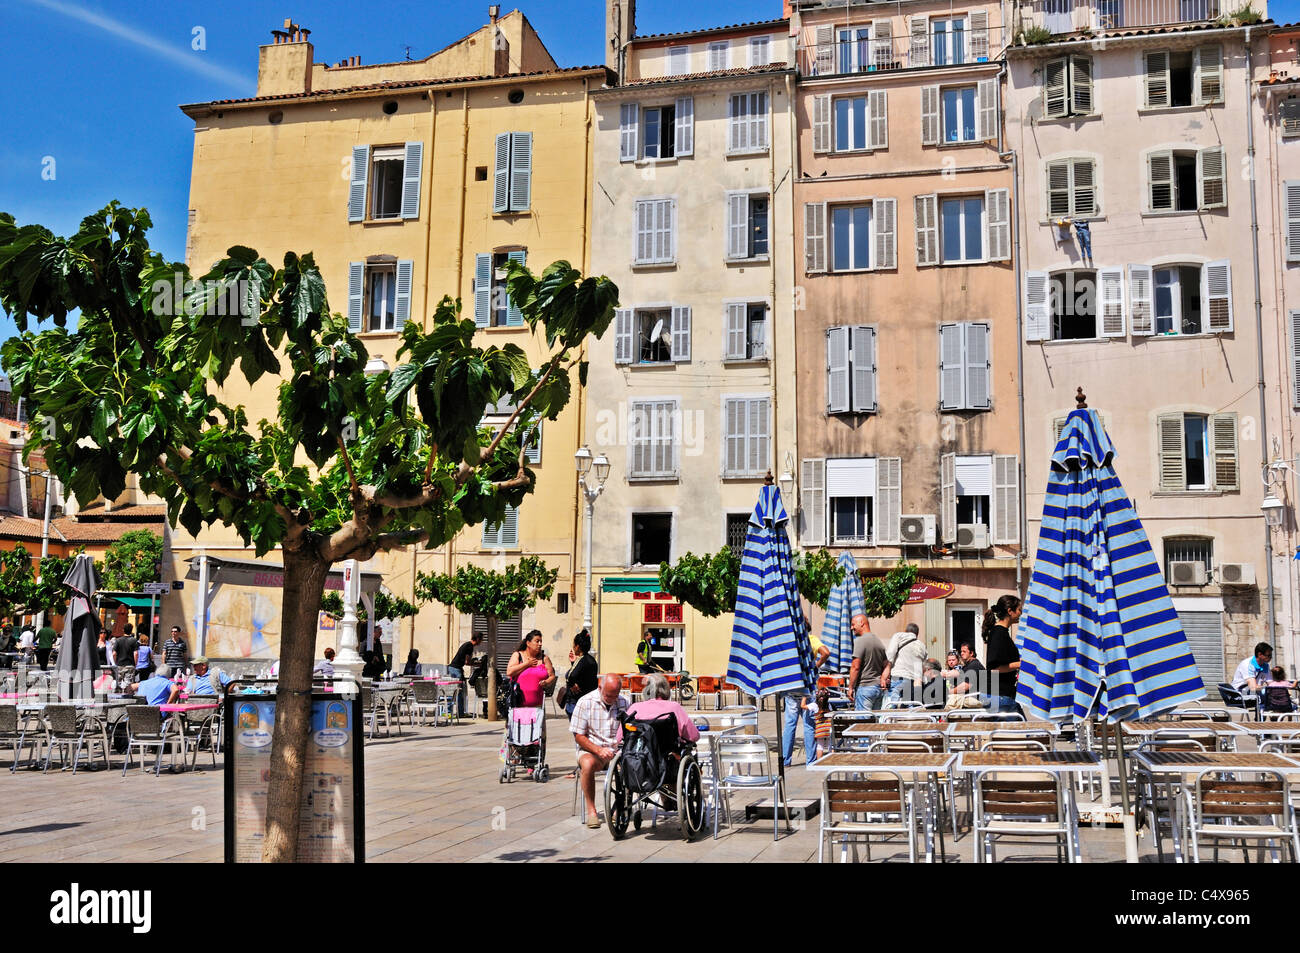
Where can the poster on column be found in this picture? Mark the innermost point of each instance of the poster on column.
(331, 825)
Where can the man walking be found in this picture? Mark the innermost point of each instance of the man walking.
(124, 648)
(44, 643)
(174, 650)
(869, 674)
(906, 655)
(459, 662)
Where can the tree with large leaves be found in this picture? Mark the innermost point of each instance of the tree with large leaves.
(350, 464)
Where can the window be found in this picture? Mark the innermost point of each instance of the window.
(1184, 77)
(1197, 451)
(862, 236)
(850, 491)
(381, 299)
(652, 537)
(652, 449)
(850, 520)
(962, 228)
(737, 532)
(747, 225)
(1067, 87)
(652, 335)
(1294, 318)
(657, 132)
(852, 501)
(1291, 200)
(1189, 549)
(974, 489)
(379, 294)
(513, 179)
(1071, 188)
(492, 305)
(746, 437)
(1177, 299)
(981, 489)
(503, 535)
(959, 114)
(656, 231)
(851, 370)
(1074, 305)
(851, 237)
(965, 371)
(1288, 113)
(948, 41)
(760, 51)
(1185, 180)
(719, 56)
(745, 332)
(385, 182)
(861, 122)
(854, 49)
(679, 60)
(747, 122)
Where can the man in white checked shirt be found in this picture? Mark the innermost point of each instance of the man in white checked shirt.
(595, 725)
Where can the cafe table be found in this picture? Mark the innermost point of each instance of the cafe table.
(915, 768)
(972, 734)
(1262, 730)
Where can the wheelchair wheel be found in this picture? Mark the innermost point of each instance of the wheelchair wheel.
(690, 798)
(618, 801)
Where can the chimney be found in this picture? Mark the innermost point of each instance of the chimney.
(785, 9)
(284, 65)
(494, 13)
(620, 26)
(500, 43)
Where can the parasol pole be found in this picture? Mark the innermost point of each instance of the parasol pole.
(780, 723)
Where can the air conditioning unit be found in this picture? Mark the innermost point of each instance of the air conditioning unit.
(917, 529)
(972, 536)
(1187, 573)
(1237, 574)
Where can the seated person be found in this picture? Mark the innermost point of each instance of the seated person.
(412, 666)
(1252, 672)
(971, 676)
(1276, 692)
(201, 682)
(658, 701)
(326, 665)
(157, 688)
(595, 725)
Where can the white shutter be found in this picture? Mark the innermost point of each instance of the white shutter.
(1223, 441)
(822, 140)
(1211, 176)
(812, 502)
(1173, 463)
(735, 345)
(889, 499)
(1295, 359)
(882, 44)
(638, 451)
(1056, 101)
(737, 128)
(837, 370)
(918, 29)
(929, 115)
(623, 337)
(357, 185)
(884, 246)
(1160, 178)
(514, 317)
(667, 244)
(1216, 295)
(737, 224)
(1083, 192)
(733, 439)
(356, 294)
(1111, 303)
(948, 496)
(759, 436)
(814, 237)
(681, 347)
(978, 370)
(411, 179)
(684, 127)
(1157, 79)
(1207, 84)
(521, 171)
(501, 178)
(719, 56)
(1038, 306)
(629, 128)
(864, 369)
(1141, 317)
(643, 232)
(482, 290)
(402, 293)
(1081, 85)
(757, 120)
(825, 62)
(1006, 500)
(927, 229)
(877, 119)
(986, 109)
(952, 367)
(1292, 219)
(979, 35)
(998, 204)
(664, 458)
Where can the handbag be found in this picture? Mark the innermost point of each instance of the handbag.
(561, 694)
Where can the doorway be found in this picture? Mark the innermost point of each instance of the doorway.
(667, 646)
(964, 626)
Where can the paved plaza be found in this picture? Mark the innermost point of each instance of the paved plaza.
(432, 794)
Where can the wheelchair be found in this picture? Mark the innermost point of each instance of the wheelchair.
(680, 788)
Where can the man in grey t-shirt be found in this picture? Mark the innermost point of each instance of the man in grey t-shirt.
(906, 654)
(869, 674)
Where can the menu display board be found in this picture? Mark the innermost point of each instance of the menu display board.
(331, 823)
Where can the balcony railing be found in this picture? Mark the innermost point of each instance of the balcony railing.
(1074, 16)
(855, 49)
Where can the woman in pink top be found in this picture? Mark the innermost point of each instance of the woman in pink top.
(530, 667)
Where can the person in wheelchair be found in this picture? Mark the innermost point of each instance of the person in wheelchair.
(658, 701)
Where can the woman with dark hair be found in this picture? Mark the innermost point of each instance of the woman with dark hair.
(583, 676)
(531, 669)
(1002, 658)
(412, 666)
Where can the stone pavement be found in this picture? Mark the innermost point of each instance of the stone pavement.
(432, 794)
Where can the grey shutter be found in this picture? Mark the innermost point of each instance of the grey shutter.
(864, 369)
(986, 109)
(837, 370)
(1212, 177)
(1110, 304)
(643, 231)
(638, 449)
(734, 337)
(997, 202)
(814, 237)
(952, 367)
(884, 248)
(491, 536)
(521, 171)
(1223, 442)
(889, 499)
(733, 437)
(1160, 180)
(1058, 189)
(1081, 85)
(482, 290)
(681, 347)
(877, 119)
(1171, 450)
(1216, 296)
(927, 229)
(929, 115)
(1056, 102)
(948, 496)
(979, 35)
(919, 30)
(825, 62)
(1140, 305)
(623, 341)
(823, 141)
(1006, 500)
(737, 129)
(1157, 79)
(533, 444)
(1295, 359)
(1292, 220)
(356, 292)
(501, 180)
(812, 502)
(629, 127)
(514, 317)
(509, 536)
(684, 127)
(1208, 74)
(357, 186)
(1204, 631)
(758, 138)
(411, 169)
(759, 435)
(1083, 190)
(402, 293)
(737, 224)
(1038, 307)
(882, 44)
(978, 370)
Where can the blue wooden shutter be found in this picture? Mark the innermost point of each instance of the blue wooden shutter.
(501, 181)
(482, 290)
(357, 187)
(521, 171)
(402, 298)
(356, 284)
(514, 317)
(411, 179)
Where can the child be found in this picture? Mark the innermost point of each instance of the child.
(1277, 692)
(821, 711)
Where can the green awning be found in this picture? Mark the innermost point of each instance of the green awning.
(630, 584)
(133, 599)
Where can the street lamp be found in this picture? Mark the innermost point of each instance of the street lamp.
(1273, 510)
(582, 460)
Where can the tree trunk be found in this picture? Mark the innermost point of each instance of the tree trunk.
(304, 584)
(492, 713)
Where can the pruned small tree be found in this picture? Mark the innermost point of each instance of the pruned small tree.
(497, 595)
(21, 593)
(132, 561)
(348, 465)
(387, 606)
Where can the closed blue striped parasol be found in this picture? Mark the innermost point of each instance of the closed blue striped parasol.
(845, 602)
(770, 652)
(1098, 623)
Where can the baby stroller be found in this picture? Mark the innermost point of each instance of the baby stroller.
(525, 744)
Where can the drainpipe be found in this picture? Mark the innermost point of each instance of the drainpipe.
(1259, 329)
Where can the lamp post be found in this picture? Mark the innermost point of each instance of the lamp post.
(583, 461)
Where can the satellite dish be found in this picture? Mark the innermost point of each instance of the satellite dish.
(659, 334)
